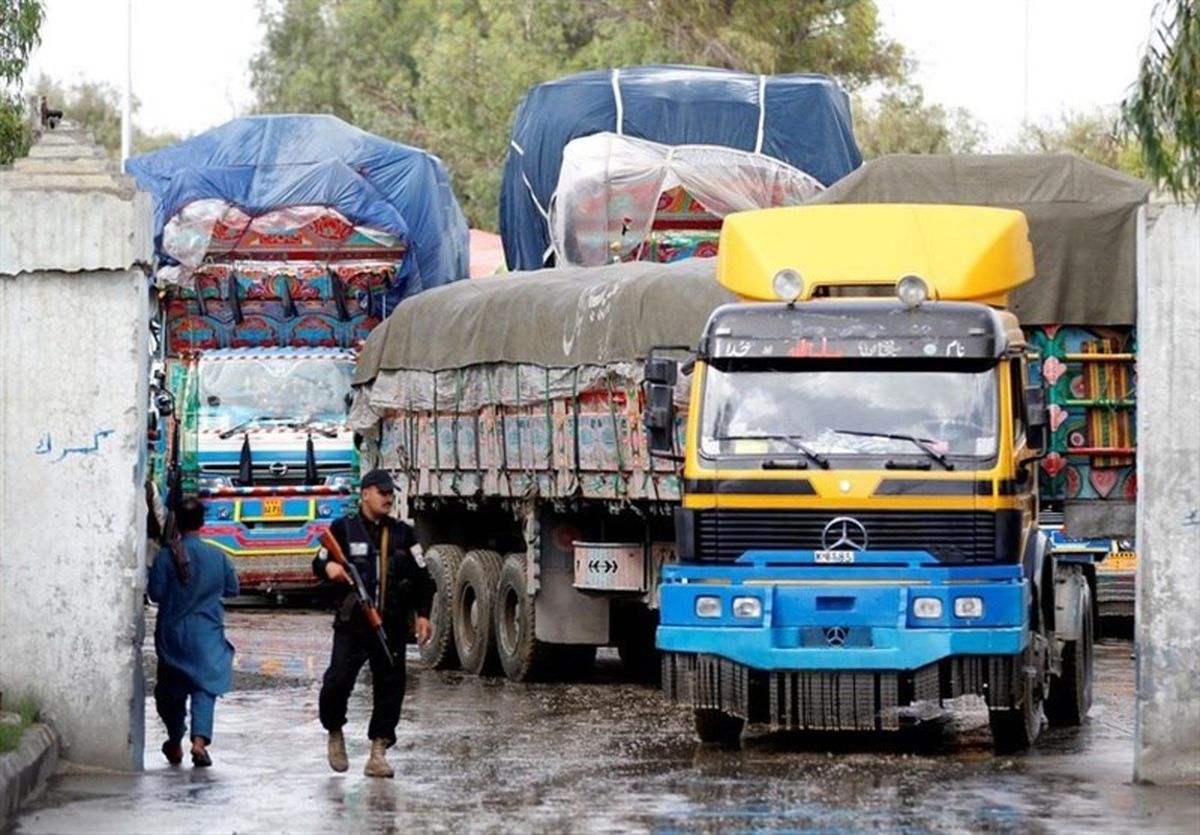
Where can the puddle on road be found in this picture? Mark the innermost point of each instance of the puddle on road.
(608, 755)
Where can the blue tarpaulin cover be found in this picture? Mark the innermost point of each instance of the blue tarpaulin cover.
(801, 119)
(263, 163)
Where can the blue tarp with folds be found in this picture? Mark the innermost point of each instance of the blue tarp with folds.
(804, 119)
(262, 163)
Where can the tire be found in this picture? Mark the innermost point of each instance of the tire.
(522, 656)
(635, 645)
(1015, 729)
(439, 651)
(715, 727)
(1071, 693)
(474, 601)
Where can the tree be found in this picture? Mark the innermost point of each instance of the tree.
(1163, 111)
(96, 107)
(900, 122)
(447, 75)
(1093, 136)
(20, 21)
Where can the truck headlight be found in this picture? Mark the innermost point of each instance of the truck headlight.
(927, 607)
(708, 606)
(747, 607)
(912, 290)
(968, 607)
(338, 482)
(787, 284)
(213, 482)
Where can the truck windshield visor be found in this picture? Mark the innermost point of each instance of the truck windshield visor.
(251, 390)
(850, 411)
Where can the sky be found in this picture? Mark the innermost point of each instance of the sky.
(1003, 60)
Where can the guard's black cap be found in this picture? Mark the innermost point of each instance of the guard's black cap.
(380, 479)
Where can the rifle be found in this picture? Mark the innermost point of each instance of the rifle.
(165, 403)
(331, 545)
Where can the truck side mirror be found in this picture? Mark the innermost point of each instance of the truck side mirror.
(659, 418)
(662, 370)
(165, 404)
(1038, 434)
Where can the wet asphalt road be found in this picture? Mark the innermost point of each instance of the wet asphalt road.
(602, 755)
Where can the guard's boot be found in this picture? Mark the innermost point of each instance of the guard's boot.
(337, 751)
(377, 764)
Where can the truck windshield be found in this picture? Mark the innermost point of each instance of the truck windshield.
(851, 412)
(246, 390)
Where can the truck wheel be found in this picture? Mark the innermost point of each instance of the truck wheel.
(635, 645)
(443, 562)
(522, 655)
(1071, 693)
(719, 728)
(1015, 729)
(474, 601)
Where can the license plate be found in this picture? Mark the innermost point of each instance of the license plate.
(1124, 561)
(272, 508)
(833, 556)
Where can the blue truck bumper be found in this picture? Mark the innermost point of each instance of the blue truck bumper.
(782, 640)
(875, 616)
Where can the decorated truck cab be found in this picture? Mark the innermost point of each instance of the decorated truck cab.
(276, 259)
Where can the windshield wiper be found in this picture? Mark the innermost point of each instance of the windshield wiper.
(229, 433)
(920, 443)
(315, 425)
(793, 440)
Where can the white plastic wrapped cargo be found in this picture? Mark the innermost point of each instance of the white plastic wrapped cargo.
(609, 187)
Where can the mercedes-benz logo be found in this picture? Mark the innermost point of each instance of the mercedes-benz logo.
(278, 468)
(836, 636)
(842, 533)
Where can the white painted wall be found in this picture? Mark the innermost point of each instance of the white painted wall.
(73, 403)
(1168, 537)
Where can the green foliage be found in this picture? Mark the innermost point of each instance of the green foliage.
(447, 75)
(900, 122)
(10, 735)
(20, 21)
(1093, 136)
(1163, 111)
(96, 107)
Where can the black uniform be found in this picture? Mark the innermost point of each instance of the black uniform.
(407, 589)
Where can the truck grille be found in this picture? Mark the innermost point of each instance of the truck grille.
(951, 536)
(263, 477)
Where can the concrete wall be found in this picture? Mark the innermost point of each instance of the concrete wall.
(74, 238)
(1168, 537)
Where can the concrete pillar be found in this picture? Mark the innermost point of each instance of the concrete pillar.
(75, 239)
(1167, 745)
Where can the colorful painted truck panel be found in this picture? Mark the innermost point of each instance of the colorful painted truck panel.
(578, 434)
(260, 357)
(276, 259)
(1090, 377)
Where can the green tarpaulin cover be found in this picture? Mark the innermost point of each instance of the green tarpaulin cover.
(1082, 223)
(555, 318)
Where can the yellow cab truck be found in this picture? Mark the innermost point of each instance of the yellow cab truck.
(858, 531)
(1079, 321)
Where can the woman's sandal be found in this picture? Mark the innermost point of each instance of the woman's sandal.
(201, 759)
(173, 751)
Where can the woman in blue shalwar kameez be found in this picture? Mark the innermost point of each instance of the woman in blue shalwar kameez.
(194, 659)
